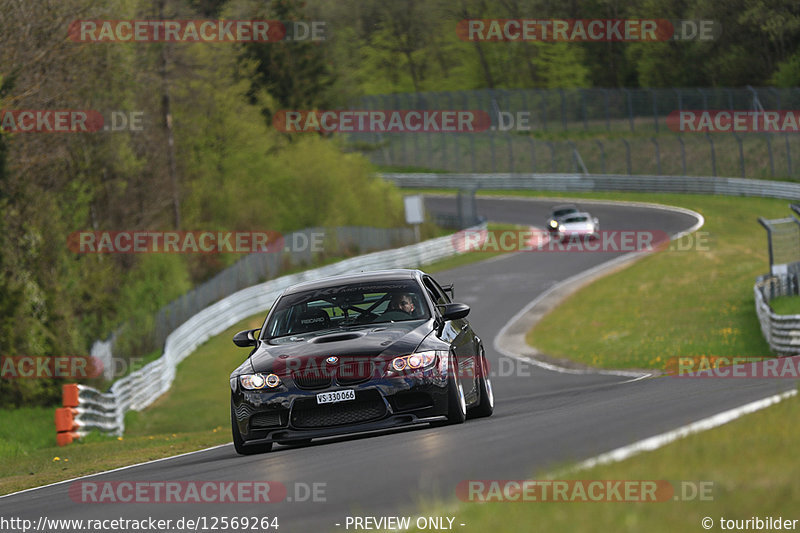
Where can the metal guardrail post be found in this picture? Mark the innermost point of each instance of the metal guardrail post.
(602, 156)
(788, 155)
(630, 107)
(655, 111)
(583, 110)
(658, 154)
(544, 108)
(552, 155)
(491, 148)
(705, 99)
(741, 153)
(510, 141)
(683, 155)
(713, 155)
(574, 152)
(768, 137)
(763, 222)
(533, 153)
(628, 155)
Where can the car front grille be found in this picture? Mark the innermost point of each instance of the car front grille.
(312, 379)
(353, 371)
(367, 406)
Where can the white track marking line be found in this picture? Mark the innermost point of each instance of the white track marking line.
(114, 470)
(657, 441)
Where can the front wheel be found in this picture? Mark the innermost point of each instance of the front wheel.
(238, 441)
(456, 404)
(485, 406)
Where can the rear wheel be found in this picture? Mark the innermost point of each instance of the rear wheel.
(238, 441)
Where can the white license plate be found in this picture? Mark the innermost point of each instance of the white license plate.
(336, 396)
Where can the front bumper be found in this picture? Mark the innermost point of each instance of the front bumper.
(292, 413)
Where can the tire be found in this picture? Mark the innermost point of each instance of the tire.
(456, 405)
(238, 441)
(485, 406)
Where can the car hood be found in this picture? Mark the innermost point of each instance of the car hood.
(375, 341)
(577, 226)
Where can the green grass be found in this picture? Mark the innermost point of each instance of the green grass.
(786, 305)
(24, 429)
(173, 424)
(746, 460)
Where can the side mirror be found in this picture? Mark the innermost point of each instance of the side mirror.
(454, 311)
(245, 338)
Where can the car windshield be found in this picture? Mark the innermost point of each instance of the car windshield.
(561, 212)
(346, 305)
(571, 220)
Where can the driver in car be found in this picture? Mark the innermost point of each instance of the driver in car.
(403, 302)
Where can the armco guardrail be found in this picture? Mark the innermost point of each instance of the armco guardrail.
(86, 408)
(603, 182)
(781, 331)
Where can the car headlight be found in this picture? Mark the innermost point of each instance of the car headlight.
(561, 228)
(554, 224)
(259, 381)
(414, 361)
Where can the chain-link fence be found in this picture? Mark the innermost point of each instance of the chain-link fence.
(783, 244)
(593, 131)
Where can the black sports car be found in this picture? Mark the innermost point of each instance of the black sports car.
(355, 353)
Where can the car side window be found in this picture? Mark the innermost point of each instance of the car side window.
(437, 294)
